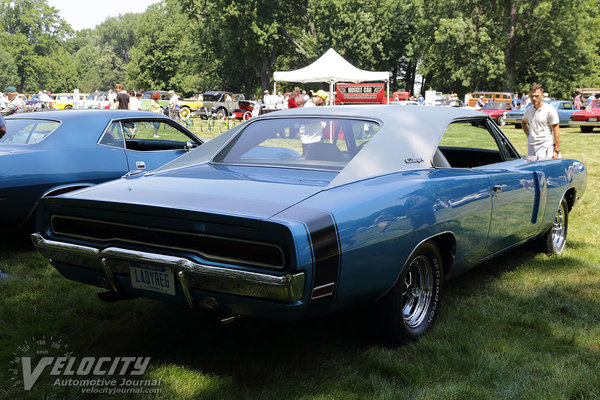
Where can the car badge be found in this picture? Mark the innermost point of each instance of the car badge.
(413, 160)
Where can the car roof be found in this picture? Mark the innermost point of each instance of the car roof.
(216, 92)
(407, 139)
(76, 114)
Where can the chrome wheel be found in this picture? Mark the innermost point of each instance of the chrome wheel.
(559, 229)
(418, 289)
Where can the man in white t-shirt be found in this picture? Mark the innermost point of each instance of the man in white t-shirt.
(540, 124)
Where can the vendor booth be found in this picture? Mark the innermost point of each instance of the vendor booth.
(331, 68)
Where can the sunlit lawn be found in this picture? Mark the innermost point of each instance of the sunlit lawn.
(523, 326)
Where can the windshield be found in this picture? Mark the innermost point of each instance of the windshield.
(27, 131)
(594, 105)
(491, 105)
(314, 143)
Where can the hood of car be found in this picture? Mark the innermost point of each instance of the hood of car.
(255, 192)
(592, 111)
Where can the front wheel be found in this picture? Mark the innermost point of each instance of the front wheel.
(554, 240)
(411, 307)
(501, 121)
(184, 113)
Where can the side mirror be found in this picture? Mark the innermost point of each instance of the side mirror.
(189, 145)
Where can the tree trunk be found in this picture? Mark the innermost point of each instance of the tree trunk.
(509, 50)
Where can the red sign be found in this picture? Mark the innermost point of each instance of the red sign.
(360, 93)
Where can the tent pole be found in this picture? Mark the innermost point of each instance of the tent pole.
(388, 92)
(331, 83)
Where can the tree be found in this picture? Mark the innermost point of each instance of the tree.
(31, 29)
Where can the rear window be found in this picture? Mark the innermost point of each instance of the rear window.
(27, 131)
(211, 97)
(313, 143)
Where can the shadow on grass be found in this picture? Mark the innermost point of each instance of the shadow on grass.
(487, 336)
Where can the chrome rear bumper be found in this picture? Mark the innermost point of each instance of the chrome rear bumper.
(192, 275)
(584, 123)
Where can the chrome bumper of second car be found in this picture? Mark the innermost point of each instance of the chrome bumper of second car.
(192, 275)
(512, 120)
(584, 123)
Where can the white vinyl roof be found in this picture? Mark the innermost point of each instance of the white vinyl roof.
(330, 67)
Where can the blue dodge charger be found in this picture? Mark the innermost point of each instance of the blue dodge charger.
(309, 211)
(44, 154)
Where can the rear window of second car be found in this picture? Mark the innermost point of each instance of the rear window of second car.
(28, 131)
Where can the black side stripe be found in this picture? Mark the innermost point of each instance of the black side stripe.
(326, 251)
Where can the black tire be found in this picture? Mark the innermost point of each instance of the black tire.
(518, 126)
(586, 129)
(555, 239)
(411, 307)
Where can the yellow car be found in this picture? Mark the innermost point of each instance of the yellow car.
(65, 101)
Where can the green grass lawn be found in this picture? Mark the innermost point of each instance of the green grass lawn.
(523, 326)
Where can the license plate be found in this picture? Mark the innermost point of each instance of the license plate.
(593, 119)
(152, 277)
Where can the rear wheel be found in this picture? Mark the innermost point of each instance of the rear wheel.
(555, 239)
(411, 307)
(586, 129)
(247, 115)
(518, 126)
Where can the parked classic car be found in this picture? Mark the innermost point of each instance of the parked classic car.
(221, 103)
(495, 110)
(563, 107)
(188, 105)
(43, 154)
(312, 210)
(587, 119)
(97, 100)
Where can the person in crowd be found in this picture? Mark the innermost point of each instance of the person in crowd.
(173, 103)
(421, 99)
(122, 98)
(279, 101)
(135, 100)
(320, 98)
(286, 99)
(540, 124)
(305, 96)
(2, 126)
(3, 101)
(480, 102)
(266, 100)
(577, 101)
(112, 99)
(590, 99)
(45, 99)
(156, 108)
(292, 102)
(15, 103)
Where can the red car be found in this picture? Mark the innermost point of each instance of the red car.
(495, 110)
(586, 119)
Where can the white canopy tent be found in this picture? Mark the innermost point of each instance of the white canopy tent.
(331, 68)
